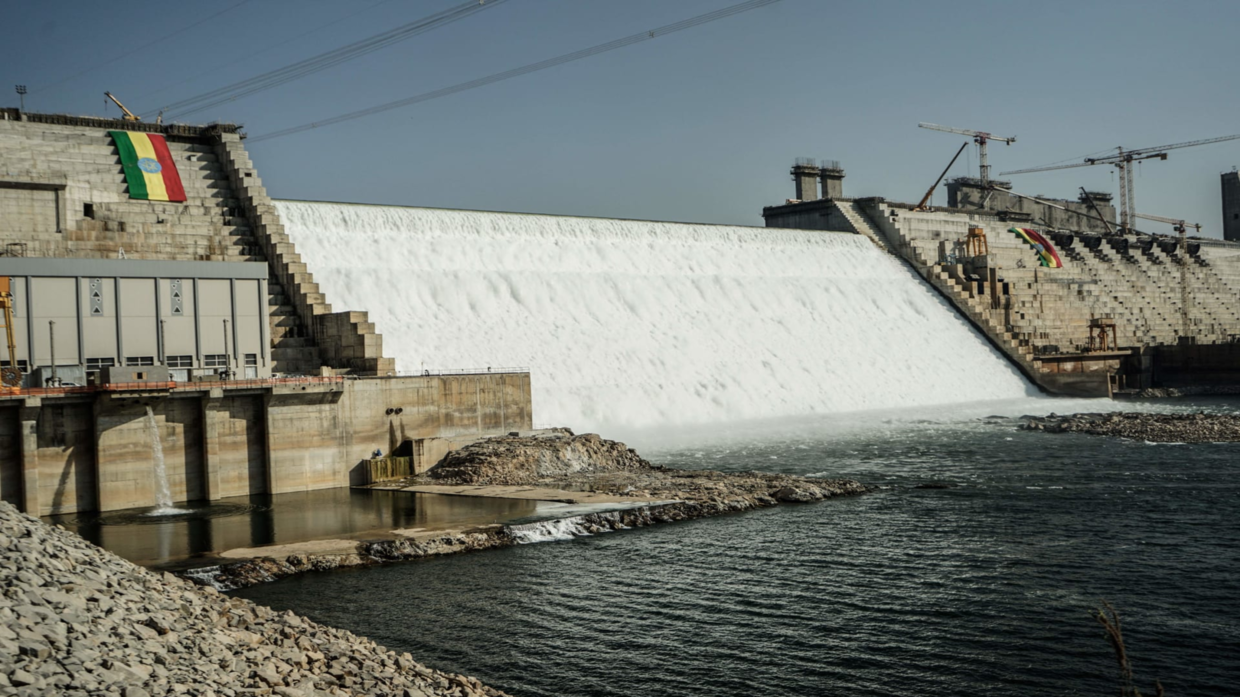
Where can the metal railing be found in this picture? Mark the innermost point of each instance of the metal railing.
(170, 386)
(436, 372)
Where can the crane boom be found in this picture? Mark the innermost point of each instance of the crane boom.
(129, 115)
(1048, 168)
(966, 132)
(979, 137)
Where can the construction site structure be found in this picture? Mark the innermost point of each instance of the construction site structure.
(980, 138)
(1124, 160)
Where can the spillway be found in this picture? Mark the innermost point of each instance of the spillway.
(633, 324)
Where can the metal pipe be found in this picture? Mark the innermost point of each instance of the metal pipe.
(227, 364)
(51, 335)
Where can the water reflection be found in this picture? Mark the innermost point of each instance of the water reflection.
(208, 528)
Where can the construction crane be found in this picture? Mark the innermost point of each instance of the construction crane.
(129, 115)
(1123, 161)
(979, 137)
(10, 375)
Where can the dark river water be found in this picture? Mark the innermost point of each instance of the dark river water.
(984, 588)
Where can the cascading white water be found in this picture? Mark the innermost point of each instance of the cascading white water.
(629, 324)
(163, 494)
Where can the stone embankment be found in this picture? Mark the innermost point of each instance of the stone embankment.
(78, 621)
(1155, 428)
(563, 462)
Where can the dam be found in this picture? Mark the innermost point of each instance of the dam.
(634, 324)
(289, 346)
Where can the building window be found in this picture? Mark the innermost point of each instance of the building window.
(215, 360)
(139, 360)
(179, 361)
(88, 210)
(251, 365)
(94, 365)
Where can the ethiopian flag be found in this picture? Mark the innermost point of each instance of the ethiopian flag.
(1046, 251)
(149, 170)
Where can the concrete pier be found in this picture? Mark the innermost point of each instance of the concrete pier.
(72, 450)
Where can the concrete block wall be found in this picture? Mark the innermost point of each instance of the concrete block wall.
(345, 341)
(59, 170)
(1157, 296)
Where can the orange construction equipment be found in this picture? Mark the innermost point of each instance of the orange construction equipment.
(10, 374)
(975, 244)
(1102, 335)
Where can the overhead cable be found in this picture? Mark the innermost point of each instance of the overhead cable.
(267, 48)
(323, 61)
(524, 70)
(141, 48)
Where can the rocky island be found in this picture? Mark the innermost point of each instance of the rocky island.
(555, 465)
(1155, 428)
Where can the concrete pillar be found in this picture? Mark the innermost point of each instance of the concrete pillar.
(29, 418)
(806, 177)
(832, 176)
(1231, 206)
(211, 455)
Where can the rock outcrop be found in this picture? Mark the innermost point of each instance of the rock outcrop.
(1156, 428)
(76, 620)
(517, 460)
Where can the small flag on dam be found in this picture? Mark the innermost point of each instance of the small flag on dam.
(149, 169)
(1046, 251)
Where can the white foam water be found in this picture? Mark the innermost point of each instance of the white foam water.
(630, 324)
(163, 494)
(549, 530)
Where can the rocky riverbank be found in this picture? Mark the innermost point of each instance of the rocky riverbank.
(79, 621)
(1155, 428)
(559, 463)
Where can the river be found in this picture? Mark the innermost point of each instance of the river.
(985, 587)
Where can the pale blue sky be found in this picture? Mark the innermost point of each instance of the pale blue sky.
(697, 126)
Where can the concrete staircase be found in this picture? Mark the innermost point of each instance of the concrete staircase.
(1156, 294)
(345, 341)
(861, 224)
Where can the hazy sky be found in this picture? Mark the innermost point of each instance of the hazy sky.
(697, 126)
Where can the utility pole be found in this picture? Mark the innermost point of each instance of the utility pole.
(21, 94)
(227, 360)
(51, 335)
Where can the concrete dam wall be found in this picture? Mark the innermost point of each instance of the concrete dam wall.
(202, 312)
(629, 324)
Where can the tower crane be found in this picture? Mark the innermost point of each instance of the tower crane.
(1123, 161)
(979, 137)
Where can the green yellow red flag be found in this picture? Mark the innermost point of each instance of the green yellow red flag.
(149, 170)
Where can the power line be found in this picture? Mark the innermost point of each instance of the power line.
(323, 61)
(143, 47)
(524, 70)
(215, 68)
